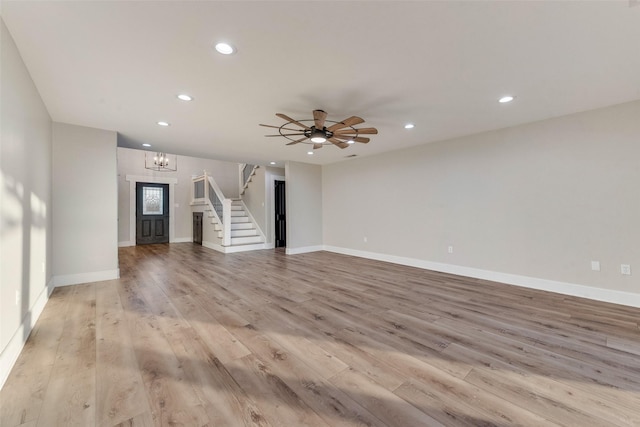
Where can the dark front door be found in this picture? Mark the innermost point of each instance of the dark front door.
(197, 227)
(280, 215)
(152, 213)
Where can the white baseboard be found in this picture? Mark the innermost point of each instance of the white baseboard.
(589, 292)
(96, 276)
(245, 248)
(182, 240)
(304, 250)
(10, 353)
(175, 240)
(214, 246)
(235, 249)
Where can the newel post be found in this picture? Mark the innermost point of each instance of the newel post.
(226, 222)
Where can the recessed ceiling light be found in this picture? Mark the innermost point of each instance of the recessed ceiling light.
(146, 145)
(163, 123)
(225, 48)
(351, 141)
(184, 97)
(506, 98)
(310, 153)
(272, 163)
(409, 126)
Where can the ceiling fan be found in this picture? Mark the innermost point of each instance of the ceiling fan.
(341, 134)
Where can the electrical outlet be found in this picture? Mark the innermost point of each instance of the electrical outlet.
(17, 297)
(625, 269)
(365, 239)
(595, 265)
(450, 249)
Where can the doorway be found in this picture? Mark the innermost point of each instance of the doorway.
(152, 213)
(197, 228)
(280, 226)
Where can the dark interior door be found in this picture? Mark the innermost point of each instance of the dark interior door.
(197, 227)
(280, 215)
(152, 213)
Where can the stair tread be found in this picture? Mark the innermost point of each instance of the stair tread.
(242, 225)
(239, 219)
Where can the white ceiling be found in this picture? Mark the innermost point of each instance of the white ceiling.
(441, 65)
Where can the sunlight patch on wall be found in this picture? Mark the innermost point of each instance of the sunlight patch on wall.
(38, 248)
(11, 250)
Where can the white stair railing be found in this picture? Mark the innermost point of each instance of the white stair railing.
(246, 172)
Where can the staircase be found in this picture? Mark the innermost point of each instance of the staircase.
(235, 228)
(244, 234)
(243, 229)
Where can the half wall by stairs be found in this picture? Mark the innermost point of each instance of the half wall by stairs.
(231, 226)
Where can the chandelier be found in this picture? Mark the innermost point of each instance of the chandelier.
(161, 162)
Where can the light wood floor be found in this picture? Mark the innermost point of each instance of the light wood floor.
(193, 337)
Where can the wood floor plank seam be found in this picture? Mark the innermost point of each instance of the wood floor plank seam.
(65, 313)
(189, 336)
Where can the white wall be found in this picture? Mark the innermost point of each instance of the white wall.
(25, 203)
(210, 237)
(304, 207)
(85, 201)
(131, 162)
(540, 200)
(259, 199)
(254, 198)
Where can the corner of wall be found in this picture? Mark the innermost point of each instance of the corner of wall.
(26, 196)
(12, 350)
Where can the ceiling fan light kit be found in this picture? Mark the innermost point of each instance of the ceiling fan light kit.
(318, 136)
(341, 134)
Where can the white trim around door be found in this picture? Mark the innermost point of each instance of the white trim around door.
(133, 180)
(271, 206)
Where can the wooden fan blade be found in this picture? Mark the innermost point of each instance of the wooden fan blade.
(279, 127)
(360, 139)
(351, 121)
(295, 142)
(318, 117)
(352, 138)
(286, 134)
(289, 119)
(361, 131)
(339, 143)
(316, 146)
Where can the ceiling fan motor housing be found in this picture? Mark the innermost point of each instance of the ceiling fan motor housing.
(318, 135)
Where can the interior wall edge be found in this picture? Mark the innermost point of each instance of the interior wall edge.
(570, 289)
(10, 353)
